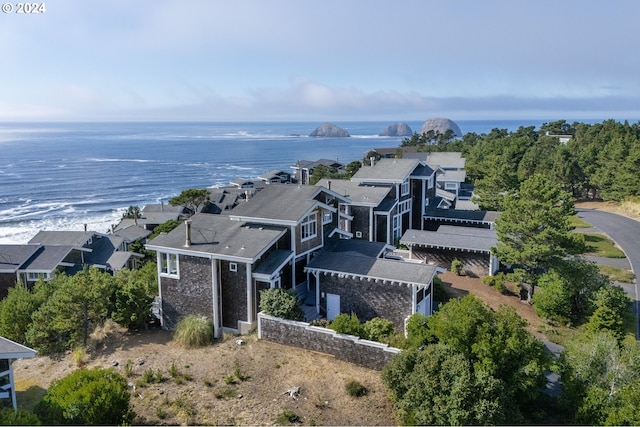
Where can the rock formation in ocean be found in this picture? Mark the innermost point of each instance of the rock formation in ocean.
(397, 129)
(440, 125)
(330, 130)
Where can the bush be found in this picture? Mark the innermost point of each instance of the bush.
(194, 331)
(21, 417)
(378, 329)
(347, 324)
(281, 303)
(417, 331)
(355, 389)
(456, 267)
(91, 397)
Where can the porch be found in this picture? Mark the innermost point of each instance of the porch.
(306, 293)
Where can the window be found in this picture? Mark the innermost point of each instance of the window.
(404, 206)
(34, 277)
(405, 187)
(397, 227)
(450, 186)
(169, 265)
(327, 217)
(308, 228)
(358, 234)
(233, 266)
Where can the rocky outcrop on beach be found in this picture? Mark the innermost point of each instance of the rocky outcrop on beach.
(441, 125)
(397, 129)
(330, 130)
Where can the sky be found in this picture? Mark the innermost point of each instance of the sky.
(287, 60)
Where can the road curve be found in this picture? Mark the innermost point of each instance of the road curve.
(626, 233)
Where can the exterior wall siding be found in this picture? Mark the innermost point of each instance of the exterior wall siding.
(360, 221)
(369, 299)
(191, 294)
(352, 349)
(234, 294)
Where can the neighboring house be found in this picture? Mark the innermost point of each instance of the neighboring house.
(276, 176)
(451, 165)
(468, 244)
(10, 352)
(247, 184)
(153, 215)
(303, 169)
(348, 281)
(224, 199)
(13, 258)
(412, 188)
(215, 265)
(435, 216)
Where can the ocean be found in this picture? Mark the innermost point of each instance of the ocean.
(60, 176)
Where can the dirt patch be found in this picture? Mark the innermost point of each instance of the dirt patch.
(459, 286)
(223, 384)
(628, 209)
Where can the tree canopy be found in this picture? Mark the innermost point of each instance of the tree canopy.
(191, 199)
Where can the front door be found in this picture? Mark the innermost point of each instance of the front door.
(333, 306)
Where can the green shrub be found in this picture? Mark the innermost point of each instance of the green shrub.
(92, 397)
(21, 417)
(194, 331)
(287, 417)
(456, 267)
(281, 303)
(417, 331)
(173, 370)
(378, 329)
(322, 323)
(347, 324)
(439, 292)
(355, 389)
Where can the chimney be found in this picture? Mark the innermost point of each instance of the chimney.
(161, 206)
(135, 216)
(187, 242)
(329, 184)
(372, 160)
(85, 228)
(246, 195)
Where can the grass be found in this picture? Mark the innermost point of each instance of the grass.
(355, 389)
(599, 245)
(194, 331)
(617, 274)
(577, 222)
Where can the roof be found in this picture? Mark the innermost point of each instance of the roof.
(372, 268)
(118, 260)
(162, 207)
(132, 233)
(460, 215)
(359, 194)
(470, 239)
(393, 171)
(272, 263)
(447, 195)
(452, 176)
(354, 246)
(50, 257)
(13, 350)
(391, 151)
(12, 257)
(62, 238)
(273, 173)
(102, 249)
(282, 204)
(217, 235)
(446, 159)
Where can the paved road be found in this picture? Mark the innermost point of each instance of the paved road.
(626, 233)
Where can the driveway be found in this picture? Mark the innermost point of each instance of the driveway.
(626, 233)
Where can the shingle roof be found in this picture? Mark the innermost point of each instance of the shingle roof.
(446, 159)
(372, 268)
(354, 246)
(63, 238)
(387, 170)
(359, 194)
(118, 260)
(50, 257)
(278, 202)
(12, 257)
(452, 176)
(132, 233)
(13, 350)
(462, 215)
(310, 164)
(218, 235)
(270, 264)
(452, 237)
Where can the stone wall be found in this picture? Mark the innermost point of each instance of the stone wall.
(370, 354)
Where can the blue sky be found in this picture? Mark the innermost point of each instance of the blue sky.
(268, 60)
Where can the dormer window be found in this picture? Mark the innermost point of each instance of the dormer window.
(308, 227)
(405, 187)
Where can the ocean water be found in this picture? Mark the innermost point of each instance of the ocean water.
(60, 176)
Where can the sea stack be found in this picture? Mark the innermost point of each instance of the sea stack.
(330, 130)
(397, 129)
(440, 125)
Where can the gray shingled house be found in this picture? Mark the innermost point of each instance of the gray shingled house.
(215, 265)
(386, 199)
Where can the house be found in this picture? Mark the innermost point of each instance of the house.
(275, 176)
(412, 188)
(10, 352)
(303, 169)
(470, 245)
(215, 265)
(348, 280)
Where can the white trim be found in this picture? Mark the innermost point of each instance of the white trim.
(310, 222)
(233, 266)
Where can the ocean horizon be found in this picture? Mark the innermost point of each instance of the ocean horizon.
(63, 175)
